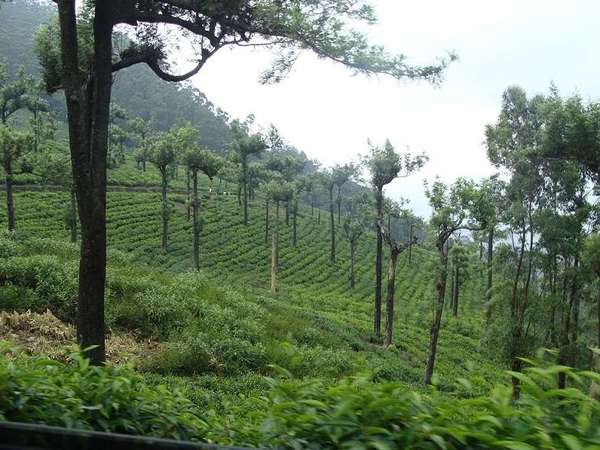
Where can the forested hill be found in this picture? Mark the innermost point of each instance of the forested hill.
(136, 89)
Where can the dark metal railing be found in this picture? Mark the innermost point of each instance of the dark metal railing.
(25, 436)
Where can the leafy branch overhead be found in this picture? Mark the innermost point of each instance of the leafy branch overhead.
(287, 26)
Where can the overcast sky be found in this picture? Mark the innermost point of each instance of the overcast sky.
(329, 114)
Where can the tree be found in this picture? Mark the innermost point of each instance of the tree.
(591, 258)
(196, 160)
(79, 48)
(385, 165)
(396, 248)
(341, 175)
(459, 260)
(355, 224)
(163, 156)
(13, 145)
(16, 94)
(328, 183)
(244, 146)
(142, 132)
(278, 191)
(456, 207)
(54, 167)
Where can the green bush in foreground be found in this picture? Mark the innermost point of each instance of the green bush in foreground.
(77, 395)
(358, 414)
(355, 414)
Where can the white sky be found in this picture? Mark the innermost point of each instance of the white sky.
(329, 114)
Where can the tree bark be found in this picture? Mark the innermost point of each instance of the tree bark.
(287, 214)
(195, 223)
(598, 315)
(437, 318)
(389, 303)
(331, 215)
(88, 107)
(339, 205)
(378, 265)
(165, 209)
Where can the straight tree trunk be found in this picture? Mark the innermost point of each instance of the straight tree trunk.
(319, 217)
(339, 205)
(188, 188)
(10, 203)
(73, 213)
(267, 221)
(410, 243)
(274, 260)
(88, 108)
(378, 265)
(144, 165)
(331, 215)
(195, 223)
(245, 188)
(437, 318)
(165, 209)
(389, 303)
(489, 265)
(287, 214)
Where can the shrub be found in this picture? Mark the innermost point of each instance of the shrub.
(77, 395)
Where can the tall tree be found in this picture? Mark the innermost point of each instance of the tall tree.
(459, 260)
(328, 182)
(79, 49)
(243, 147)
(199, 160)
(142, 132)
(163, 156)
(54, 167)
(342, 173)
(396, 248)
(13, 145)
(278, 191)
(355, 224)
(456, 207)
(385, 165)
(15, 94)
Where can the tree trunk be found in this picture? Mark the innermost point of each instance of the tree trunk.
(73, 215)
(245, 187)
(287, 214)
(267, 221)
(489, 264)
(88, 107)
(312, 207)
(319, 217)
(10, 204)
(188, 188)
(378, 265)
(410, 243)
(144, 165)
(274, 260)
(437, 318)
(277, 229)
(195, 224)
(165, 209)
(352, 257)
(389, 303)
(339, 205)
(331, 215)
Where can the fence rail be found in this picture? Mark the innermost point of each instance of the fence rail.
(25, 436)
